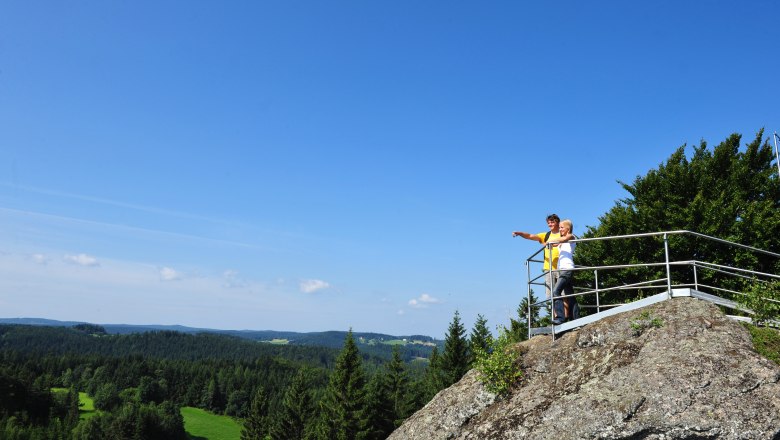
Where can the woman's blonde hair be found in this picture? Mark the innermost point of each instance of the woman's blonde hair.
(568, 224)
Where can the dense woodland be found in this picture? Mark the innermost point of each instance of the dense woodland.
(139, 382)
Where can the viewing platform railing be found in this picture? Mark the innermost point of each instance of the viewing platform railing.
(711, 279)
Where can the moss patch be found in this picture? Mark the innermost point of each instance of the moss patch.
(766, 341)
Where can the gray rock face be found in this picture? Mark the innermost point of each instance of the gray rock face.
(679, 369)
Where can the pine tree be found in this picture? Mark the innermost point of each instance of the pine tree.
(480, 339)
(387, 399)
(434, 377)
(379, 417)
(73, 405)
(256, 425)
(455, 360)
(398, 381)
(343, 404)
(213, 399)
(294, 417)
(518, 330)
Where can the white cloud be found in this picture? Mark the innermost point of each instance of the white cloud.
(232, 279)
(401, 312)
(423, 301)
(40, 258)
(168, 274)
(311, 286)
(82, 260)
(428, 299)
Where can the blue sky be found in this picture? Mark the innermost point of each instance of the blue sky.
(316, 166)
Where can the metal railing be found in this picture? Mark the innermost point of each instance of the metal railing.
(666, 274)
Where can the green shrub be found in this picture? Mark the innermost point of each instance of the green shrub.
(643, 321)
(763, 299)
(498, 369)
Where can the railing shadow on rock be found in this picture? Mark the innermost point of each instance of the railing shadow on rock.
(705, 267)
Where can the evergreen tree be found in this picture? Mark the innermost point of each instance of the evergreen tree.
(518, 330)
(256, 425)
(73, 406)
(379, 417)
(213, 399)
(387, 399)
(237, 404)
(343, 404)
(293, 421)
(480, 339)
(434, 376)
(107, 397)
(455, 360)
(398, 381)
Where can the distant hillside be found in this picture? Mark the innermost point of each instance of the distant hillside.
(377, 344)
(49, 340)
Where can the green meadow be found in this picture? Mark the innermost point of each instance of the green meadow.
(86, 404)
(203, 425)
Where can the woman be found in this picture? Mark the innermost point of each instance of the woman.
(564, 310)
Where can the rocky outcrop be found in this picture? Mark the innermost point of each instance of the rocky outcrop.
(679, 369)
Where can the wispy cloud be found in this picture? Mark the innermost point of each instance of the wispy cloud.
(82, 260)
(232, 280)
(423, 301)
(168, 274)
(39, 258)
(55, 219)
(110, 202)
(311, 286)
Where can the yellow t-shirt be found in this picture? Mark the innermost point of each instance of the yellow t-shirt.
(553, 236)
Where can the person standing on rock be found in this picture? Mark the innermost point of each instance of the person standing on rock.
(565, 309)
(553, 222)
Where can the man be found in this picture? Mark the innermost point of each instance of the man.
(553, 222)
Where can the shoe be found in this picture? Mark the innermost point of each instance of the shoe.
(558, 321)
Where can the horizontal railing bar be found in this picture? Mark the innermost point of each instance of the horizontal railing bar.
(675, 232)
(615, 266)
(738, 293)
(721, 289)
(744, 246)
(706, 265)
(641, 283)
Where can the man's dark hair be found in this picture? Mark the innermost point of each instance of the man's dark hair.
(554, 217)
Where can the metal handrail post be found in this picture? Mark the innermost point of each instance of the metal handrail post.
(695, 277)
(596, 277)
(528, 271)
(668, 267)
(552, 287)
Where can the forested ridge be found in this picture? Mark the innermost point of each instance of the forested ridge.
(139, 381)
(158, 345)
(372, 343)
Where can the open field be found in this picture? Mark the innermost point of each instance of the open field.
(279, 341)
(202, 425)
